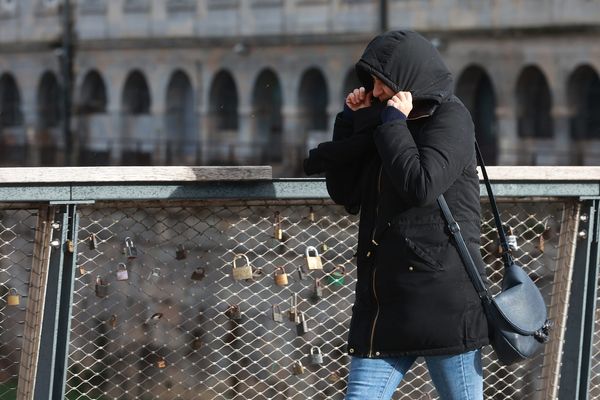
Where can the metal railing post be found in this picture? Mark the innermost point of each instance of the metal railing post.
(575, 370)
(54, 338)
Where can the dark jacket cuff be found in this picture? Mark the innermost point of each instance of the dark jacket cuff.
(390, 113)
(347, 114)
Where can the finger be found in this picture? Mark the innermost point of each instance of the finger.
(356, 93)
(390, 103)
(361, 92)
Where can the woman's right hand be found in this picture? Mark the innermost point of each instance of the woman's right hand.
(358, 99)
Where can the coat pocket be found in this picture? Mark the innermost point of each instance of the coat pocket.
(430, 259)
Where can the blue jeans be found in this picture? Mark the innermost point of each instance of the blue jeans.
(456, 377)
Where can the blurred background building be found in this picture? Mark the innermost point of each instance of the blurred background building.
(246, 82)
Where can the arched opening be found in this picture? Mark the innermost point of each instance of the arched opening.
(474, 87)
(138, 130)
(534, 103)
(313, 100)
(13, 143)
(223, 120)
(266, 103)
(93, 123)
(180, 121)
(535, 127)
(48, 118)
(92, 98)
(351, 82)
(583, 93)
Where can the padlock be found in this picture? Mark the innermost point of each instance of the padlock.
(234, 312)
(154, 274)
(301, 273)
(113, 321)
(293, 311)
(101, 287)
(298, 368)
(277, 315)
(181, 253)
(302, 325)
(317, 293)
(313, 260)
(70, 246)
(336, 278)
(311, 214)
(277, 230)
(93, 242)
(241, 273)
(196, 344)
(13, 298)
(281, 278)
(161, 363)
(334, 377)
(257, 273)
(315, 356)
(324, 247)
(122, 274)
(198, 274)
(153, 319)
(130, 250)
(511, 240)
(82, 270)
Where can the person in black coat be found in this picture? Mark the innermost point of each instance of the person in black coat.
(402, 140)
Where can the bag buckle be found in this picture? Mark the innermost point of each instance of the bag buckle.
(454, 227)
(542, 334)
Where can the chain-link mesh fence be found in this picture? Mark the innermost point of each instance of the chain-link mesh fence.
(157, 312)
(17, 232)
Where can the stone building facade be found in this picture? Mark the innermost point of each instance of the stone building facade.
(205, 82)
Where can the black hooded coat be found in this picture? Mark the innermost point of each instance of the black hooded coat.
(413, 295)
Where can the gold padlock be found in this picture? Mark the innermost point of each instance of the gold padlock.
(241, 273)
(298, 368)
(313, 261)
(13, 298)
(161, 363)
(113, 321)
(70, 246)
(82, 270)
(281, 278)
(311, 214)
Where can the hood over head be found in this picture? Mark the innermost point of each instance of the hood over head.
(406, 61)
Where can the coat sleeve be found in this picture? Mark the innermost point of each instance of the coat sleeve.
(341, 181)
(421, 173)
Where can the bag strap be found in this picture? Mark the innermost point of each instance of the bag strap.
(506, 255)
(467, 259)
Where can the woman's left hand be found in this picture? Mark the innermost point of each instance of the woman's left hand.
(402, 101)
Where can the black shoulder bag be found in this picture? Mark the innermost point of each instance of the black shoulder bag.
(517, 318)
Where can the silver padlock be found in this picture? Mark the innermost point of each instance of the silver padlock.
(293, 311)
(130, 250)
(302, 325)
(154, 274)
(122, 274)
(241, 273)
(315, 357)
(93, 241)
(277, 315)
(317, 293)
(101, 287)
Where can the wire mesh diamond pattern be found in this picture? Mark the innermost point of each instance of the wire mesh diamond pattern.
(17, 232)
(157, 312)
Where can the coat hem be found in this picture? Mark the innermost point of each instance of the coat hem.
(427, 352)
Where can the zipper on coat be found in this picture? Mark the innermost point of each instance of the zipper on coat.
(375, 267)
